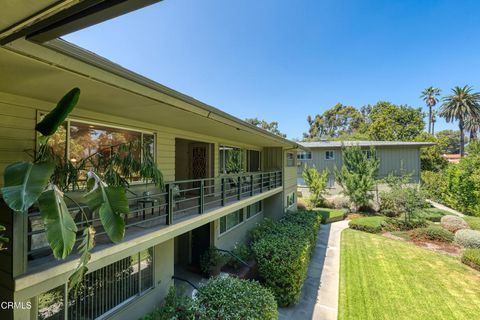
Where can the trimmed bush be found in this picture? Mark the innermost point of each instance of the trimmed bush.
(232, 298)
(432, 214)
(471, 257)
(468, 238)
(175, 307)
(331, 215)
(400, 224)
(435, 233)
(242, 251)
(453, 223)
(368, 224)
(282, 251)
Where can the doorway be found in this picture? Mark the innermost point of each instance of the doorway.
(193, 160)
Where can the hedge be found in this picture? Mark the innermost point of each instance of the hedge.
(471, 257)
(233, 298)
(435, 233)
(368, 224)
(331, 215)
(283, 250)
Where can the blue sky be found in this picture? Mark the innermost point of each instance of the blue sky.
(283, 60)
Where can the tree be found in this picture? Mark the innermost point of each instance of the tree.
(472, 125)
(450, 141)
(461, 105)
(269, 126)
(357, 175)
(430, 96)
(431, 158)
(316, 183)
(386, 121)
(336, 121)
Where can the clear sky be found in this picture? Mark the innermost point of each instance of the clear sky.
(283, 60)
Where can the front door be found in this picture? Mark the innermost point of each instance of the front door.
(199, 161)
(200, 243)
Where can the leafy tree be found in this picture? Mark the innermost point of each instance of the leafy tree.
(269, 126)
(338, 120)
(430, 96)
(450, 141)
(357, 175)
(316, 183)
(386, 121)
(472, 125)
(431, 158)
(461, 105)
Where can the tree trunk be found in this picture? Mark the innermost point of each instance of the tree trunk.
(462, 137)
(433, 127)
(429, 119)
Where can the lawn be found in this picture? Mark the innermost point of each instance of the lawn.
(331, 215)
(382, 278)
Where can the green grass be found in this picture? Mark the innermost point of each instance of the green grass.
(382, 278)
(473, 222)
(434, 214)
(330, 215)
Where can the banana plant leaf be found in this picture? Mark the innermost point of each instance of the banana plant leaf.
(24, 183)
(112, 205)
(59, 224)
(87, 244)
(55, 118)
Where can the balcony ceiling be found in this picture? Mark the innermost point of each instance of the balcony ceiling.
(27, 76)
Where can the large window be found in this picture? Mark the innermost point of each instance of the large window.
(76, 141)
(230, 221)
(254, 209)
(231, 160)
(330, 155)
(102, 290)
(290, 199)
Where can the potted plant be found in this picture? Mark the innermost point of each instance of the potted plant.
(211, 262)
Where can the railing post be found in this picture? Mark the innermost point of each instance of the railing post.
(223, 191)
(261, 182)
(239, 190)
(170, 204)
(251, 184)
(202, 195)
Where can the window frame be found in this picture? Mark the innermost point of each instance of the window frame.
(303, 156)
(255, 214)
(292, 194)
(291, 162)
(220, 232)
(222, 164)
(326, 155)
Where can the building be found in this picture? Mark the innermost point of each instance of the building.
(190, 142)
(452, 157)
(395, 157)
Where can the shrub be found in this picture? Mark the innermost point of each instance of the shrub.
(242, 251)
(282, 251)
(434, 233)
(336, 203)
(232, 298)
(331, 215)
(175, 307)
(468, 238)
(473, 222)
(388, 204)
(316, 183)
(367, 224)
(471, 257)
(396, 224)
(432, 214)
(212, 261)
(453, 223)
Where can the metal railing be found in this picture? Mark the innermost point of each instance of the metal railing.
(179, 200)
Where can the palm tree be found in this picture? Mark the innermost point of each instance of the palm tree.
(461, 105)
(430, 95)
(472, 125)
(434, 119)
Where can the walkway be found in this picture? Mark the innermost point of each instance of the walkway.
(319, 297)
(445, 208)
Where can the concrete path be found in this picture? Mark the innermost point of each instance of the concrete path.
(319, 297)
(442, 207)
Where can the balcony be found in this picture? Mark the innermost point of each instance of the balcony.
(178, 202)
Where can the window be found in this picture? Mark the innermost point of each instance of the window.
(369, 153)
(77, 141)
(231, 160)
(304, 155)
(253, 209)
(290, 159)
(329, 155)
(290, 199)
(101, 290)
(229, 221)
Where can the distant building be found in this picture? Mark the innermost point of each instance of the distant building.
(452, 157)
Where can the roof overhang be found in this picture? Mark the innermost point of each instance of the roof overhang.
(44, 20)
(46, 71)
